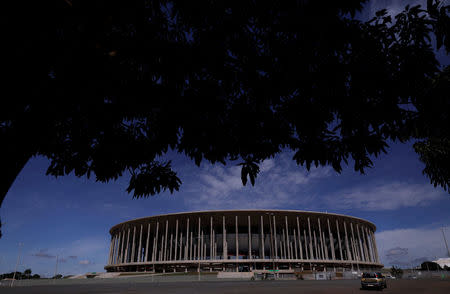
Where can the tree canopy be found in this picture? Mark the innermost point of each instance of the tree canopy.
(106, 87)
(430, 266)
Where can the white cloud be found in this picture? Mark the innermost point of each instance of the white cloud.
(388, 196)
(267, 165)
(410, 246)
(280, 183)
(393, 6)
(84, 262)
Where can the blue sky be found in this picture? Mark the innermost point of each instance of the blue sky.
(70, 217)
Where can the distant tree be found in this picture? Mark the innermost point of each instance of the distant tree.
(101, 95)
(429, 265)
(396, 272)
(27, 273)
(58, 276)
(17, 276)
(36, 276)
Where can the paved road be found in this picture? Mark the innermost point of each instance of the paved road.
(127, 286)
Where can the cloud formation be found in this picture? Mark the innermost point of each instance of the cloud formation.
(393, 6)
(280, 183)
(386, 196)
(410, 246)
(43, 253)
(84, 262)
(397, 251)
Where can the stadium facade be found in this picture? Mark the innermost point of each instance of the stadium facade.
(243, 240)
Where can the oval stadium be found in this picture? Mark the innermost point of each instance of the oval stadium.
(243, 241)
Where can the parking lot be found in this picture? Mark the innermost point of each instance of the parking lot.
(144, 285)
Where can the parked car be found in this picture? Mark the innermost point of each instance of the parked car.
(373, 280)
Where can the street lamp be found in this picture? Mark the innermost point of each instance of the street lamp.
(271, 242)
(198, 256)
(17, 264)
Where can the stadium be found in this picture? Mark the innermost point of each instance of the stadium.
(243, 241)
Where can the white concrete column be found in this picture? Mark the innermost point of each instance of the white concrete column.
(305, 240)
(214, 244)
(375, 247)
(367, 243)
(133, 245)
(339, 240)
(199, 239)
(325, 245)
(117, 257)
(176, 241)
(322, 247)
(114, 253)
(275, 235)
(272, 242)
(290, 249)
(281, 244)
(353, 242)
(295, 255)
(333, 256)
(117, 260)
(263, 255)
(372, 248)
(354, 249)
(204, 248)
(116, 249)
(181, 246)
(370, 244)
(211, 240)
(311, 254)
(315, 246)
(128, 246)
(300, 239)
(110, 249)
(114, 239)
(190, 245)
(195, 250)
(364, 242)
(165, 241)
(224, 239)
(155, 243)
(249, 239)
(186, 254)
(122, 250)
(369, 250)
(161, 251)
(113, 258)
(237, 238)
(349, 254)
(203, 245)
(147, 243)
(170, 246)
(287, 236)
(139, 256)
(360, 243)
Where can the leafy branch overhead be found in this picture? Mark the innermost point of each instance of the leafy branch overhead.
(100, 94)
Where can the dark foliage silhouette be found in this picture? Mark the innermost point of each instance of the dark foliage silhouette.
(106, 87)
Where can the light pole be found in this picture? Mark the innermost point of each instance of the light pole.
(445, 240)
(56, 268)
(198, 257)
(271, 243)
(17, 264)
